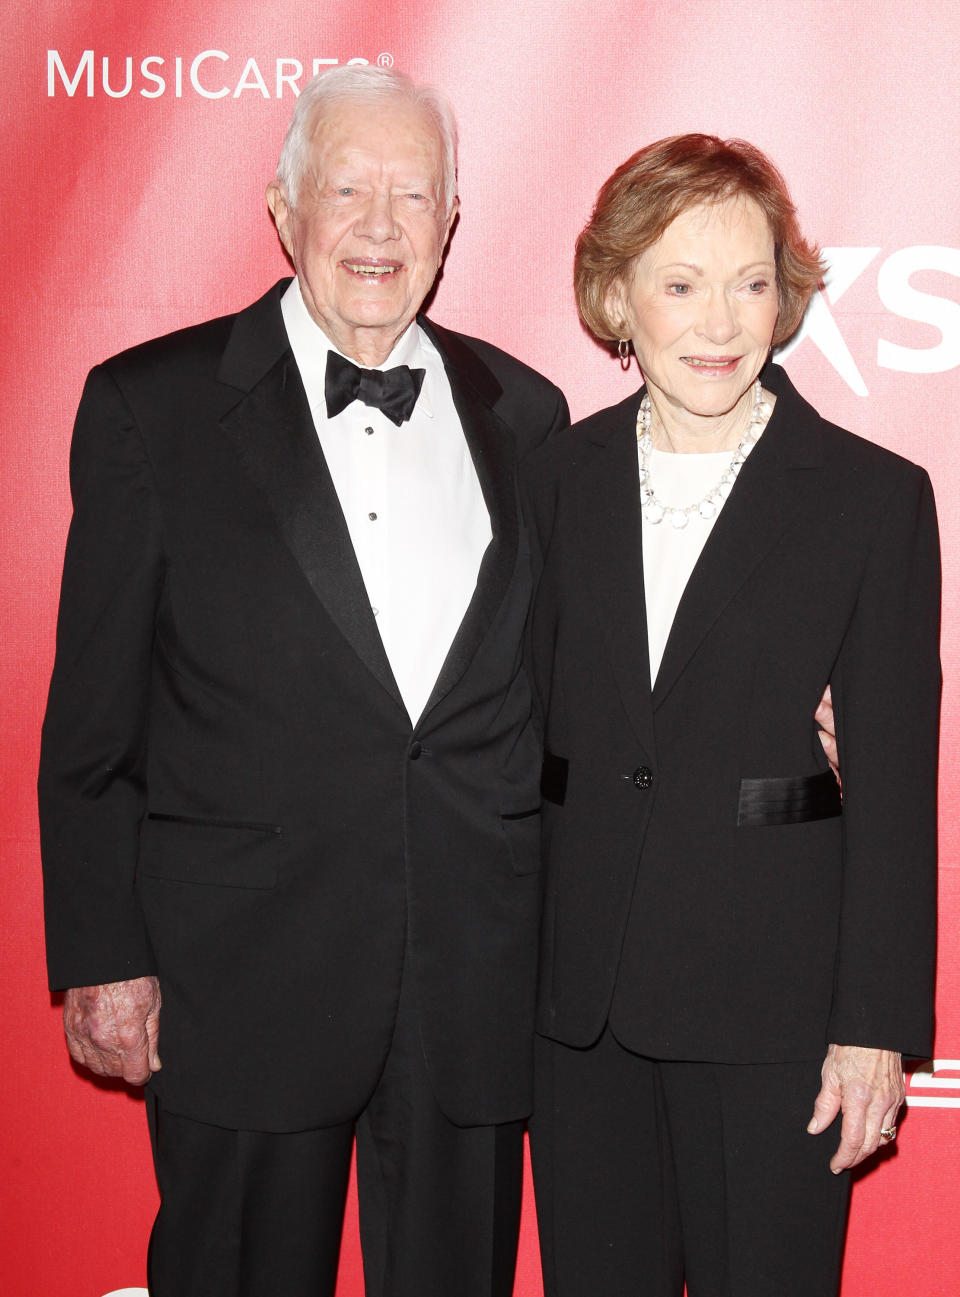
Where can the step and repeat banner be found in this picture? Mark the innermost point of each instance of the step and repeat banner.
(135, 154)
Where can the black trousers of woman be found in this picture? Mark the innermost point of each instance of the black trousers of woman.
(649, 1174)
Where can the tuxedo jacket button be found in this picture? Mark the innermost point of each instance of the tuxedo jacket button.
(415, 749)
(643, 777)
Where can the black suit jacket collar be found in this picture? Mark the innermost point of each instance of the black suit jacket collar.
(769, 496)
(476, 392)
(275, 437)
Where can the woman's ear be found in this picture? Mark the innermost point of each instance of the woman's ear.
(615, 305)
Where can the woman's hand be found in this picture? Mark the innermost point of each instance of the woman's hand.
(828, 732)
(867, 1086)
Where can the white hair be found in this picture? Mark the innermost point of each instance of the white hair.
(361, 83)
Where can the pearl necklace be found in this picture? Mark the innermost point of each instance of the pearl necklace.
(654, 510)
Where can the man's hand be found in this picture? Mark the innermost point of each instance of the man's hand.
(867, 1085)
(113, 1029)
(828, 732)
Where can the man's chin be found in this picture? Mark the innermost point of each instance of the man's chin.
(383, 322)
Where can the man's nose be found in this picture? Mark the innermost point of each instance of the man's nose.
(377, 220)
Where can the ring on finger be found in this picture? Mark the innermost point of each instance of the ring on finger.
(888, 1133)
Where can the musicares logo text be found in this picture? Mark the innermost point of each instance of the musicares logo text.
(206, 75)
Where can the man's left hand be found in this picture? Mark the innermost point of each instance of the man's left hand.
(867, 1086)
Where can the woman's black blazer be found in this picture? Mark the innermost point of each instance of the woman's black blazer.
(705, 891)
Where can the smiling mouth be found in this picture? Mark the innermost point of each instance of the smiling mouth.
(372, 269)
(710, 362)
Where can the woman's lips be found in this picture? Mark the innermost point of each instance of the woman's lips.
(712, 366)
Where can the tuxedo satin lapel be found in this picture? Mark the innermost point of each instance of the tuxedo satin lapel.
(493, 451)
(273, 431)
(610, 545)
(769, 495)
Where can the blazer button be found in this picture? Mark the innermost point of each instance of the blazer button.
(643, 777)
(415, 749)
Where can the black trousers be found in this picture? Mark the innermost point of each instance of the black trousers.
(258, 1214)
(648, 1174)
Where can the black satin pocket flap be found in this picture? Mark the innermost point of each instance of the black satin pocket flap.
(553, 778)
(791, 800)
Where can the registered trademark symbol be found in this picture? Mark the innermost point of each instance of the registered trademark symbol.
(384, 60)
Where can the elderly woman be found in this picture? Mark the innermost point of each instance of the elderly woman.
(733, 958)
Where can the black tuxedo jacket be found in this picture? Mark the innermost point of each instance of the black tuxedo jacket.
(231, 793)
(705, 892)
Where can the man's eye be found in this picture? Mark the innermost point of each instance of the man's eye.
(346, 192)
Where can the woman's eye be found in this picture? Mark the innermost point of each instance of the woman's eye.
(678, 290)
(758, 285)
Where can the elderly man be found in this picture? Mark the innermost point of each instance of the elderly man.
(289, 781)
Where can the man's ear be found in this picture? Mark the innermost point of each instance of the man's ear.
(280, 210)
(451, 217)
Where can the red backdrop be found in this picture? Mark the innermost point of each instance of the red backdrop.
(136, 151)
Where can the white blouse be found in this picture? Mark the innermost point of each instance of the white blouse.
(669, 554)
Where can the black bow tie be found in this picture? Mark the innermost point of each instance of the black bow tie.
(394, 391)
